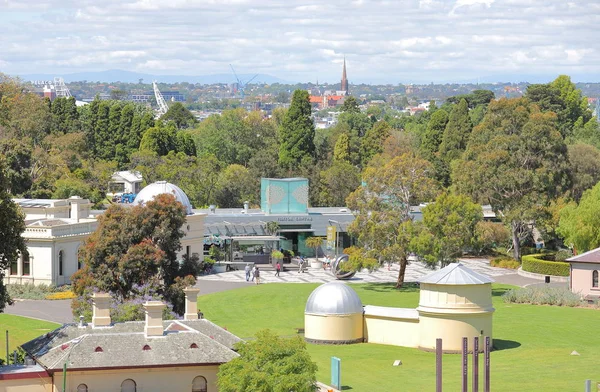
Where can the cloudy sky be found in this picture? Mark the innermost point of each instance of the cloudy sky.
(396, 41)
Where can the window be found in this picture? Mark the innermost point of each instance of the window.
(199, 384)
(25, 263)
(14, 267)
(146, 348)
(595, 278)
(82, 388)
(128, 386)
(193, 345)
(98, 350)
(60, 263)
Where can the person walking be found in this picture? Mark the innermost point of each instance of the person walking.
(277, 269)
(257, 275)
(247, 270)
(253, 272)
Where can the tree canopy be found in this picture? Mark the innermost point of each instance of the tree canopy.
(269, 364)
(297, 132)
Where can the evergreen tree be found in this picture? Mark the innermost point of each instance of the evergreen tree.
(433, 134)
(341, 151)
(372, 143)
(457, 132)
(350, 105)
(297, 132)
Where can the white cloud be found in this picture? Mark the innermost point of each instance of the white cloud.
(387, 41)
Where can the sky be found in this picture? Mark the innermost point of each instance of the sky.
(397, 41)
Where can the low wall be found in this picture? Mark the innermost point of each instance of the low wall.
(392, 330)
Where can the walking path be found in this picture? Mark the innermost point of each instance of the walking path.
(414, 272)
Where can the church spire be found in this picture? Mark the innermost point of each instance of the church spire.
(344, 85)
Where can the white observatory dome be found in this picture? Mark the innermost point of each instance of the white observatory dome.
(151, 191)
(333, 298)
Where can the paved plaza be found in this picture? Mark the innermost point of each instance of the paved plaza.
(414, 271)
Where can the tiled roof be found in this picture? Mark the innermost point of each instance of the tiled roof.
(592, 256)
(121, 345)
(316, 99)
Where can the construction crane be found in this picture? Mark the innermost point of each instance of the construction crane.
(160, 101)
(242, 85)
(62, 91)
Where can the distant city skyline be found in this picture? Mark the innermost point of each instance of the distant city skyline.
(413, 41)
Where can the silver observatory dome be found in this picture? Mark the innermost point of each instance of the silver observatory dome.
(159, 187)
(333, 298)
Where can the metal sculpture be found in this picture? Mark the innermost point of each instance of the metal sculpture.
(336, 268)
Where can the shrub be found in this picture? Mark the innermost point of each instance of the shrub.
(537, 264)
(505, 262)
(29, 291)
(489, 235)
(61, 295)
(277, 254)
(352, 249)
(563, 254)
(542, 296)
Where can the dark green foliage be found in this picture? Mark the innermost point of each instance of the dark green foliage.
(539, 265)
(476, 98)
(350, 105)
(12, 225)
(159, 139)
(584, 162)
(297, 132)
(433, 134)
(372, 143)
(17, 165)
(180, 115)
(269, 364)
(65, 117)
(337, 183)
(457, 132)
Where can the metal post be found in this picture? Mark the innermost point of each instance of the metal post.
(465, 364)
(7, 355)
(588, 385)
(438, 365)
(486, 369)
(65, 376)
(475, 364)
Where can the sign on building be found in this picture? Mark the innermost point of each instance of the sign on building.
(331, 234)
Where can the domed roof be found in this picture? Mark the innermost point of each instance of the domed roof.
(333, 298)
(159, 187)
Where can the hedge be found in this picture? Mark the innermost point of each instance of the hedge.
(536, 264)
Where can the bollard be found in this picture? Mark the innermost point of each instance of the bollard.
(588, 385)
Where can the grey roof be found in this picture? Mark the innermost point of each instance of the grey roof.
(159, 187)
(591, 256)
(384, 311)
(122, 345)
(333, 298)
(457, 274)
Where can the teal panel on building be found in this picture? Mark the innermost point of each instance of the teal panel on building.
(284, 195)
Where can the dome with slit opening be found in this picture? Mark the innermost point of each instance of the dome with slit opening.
(333, 298)
(159, 187)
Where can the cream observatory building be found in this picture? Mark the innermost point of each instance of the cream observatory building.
(454, 302)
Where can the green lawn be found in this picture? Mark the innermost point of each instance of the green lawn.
(533, 343)
(20, 330)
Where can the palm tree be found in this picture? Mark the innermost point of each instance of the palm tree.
(314, 242)
(272, 227)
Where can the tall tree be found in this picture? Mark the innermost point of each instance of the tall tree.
(297, 132)
(383, 223)
(457, 132)
(450, 222)
(350, 105)
(269, 363)
(579, 224)
(516, 161)
(584, 162)
(12, 225)
(372, 143)
(433, 134)
(337, 182)
(180, 115)
(341, 150)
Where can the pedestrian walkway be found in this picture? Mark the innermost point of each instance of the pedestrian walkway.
(414, 271)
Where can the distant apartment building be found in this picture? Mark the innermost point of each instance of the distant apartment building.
(172, 96)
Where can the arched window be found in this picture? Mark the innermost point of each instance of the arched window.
(60, 263)
(128, 386)
(82, 388)
(193, 345)
(199, 384)
(25, 263)
(595, 278)
(98, 350)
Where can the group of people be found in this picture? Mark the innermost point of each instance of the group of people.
(252, 273)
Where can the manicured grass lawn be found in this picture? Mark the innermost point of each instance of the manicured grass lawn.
(533, 343)
(20, 330)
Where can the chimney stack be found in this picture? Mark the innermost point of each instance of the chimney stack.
(191, 303)
(246, 205)
(101, 310)
(154, 321)
(75, 202)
